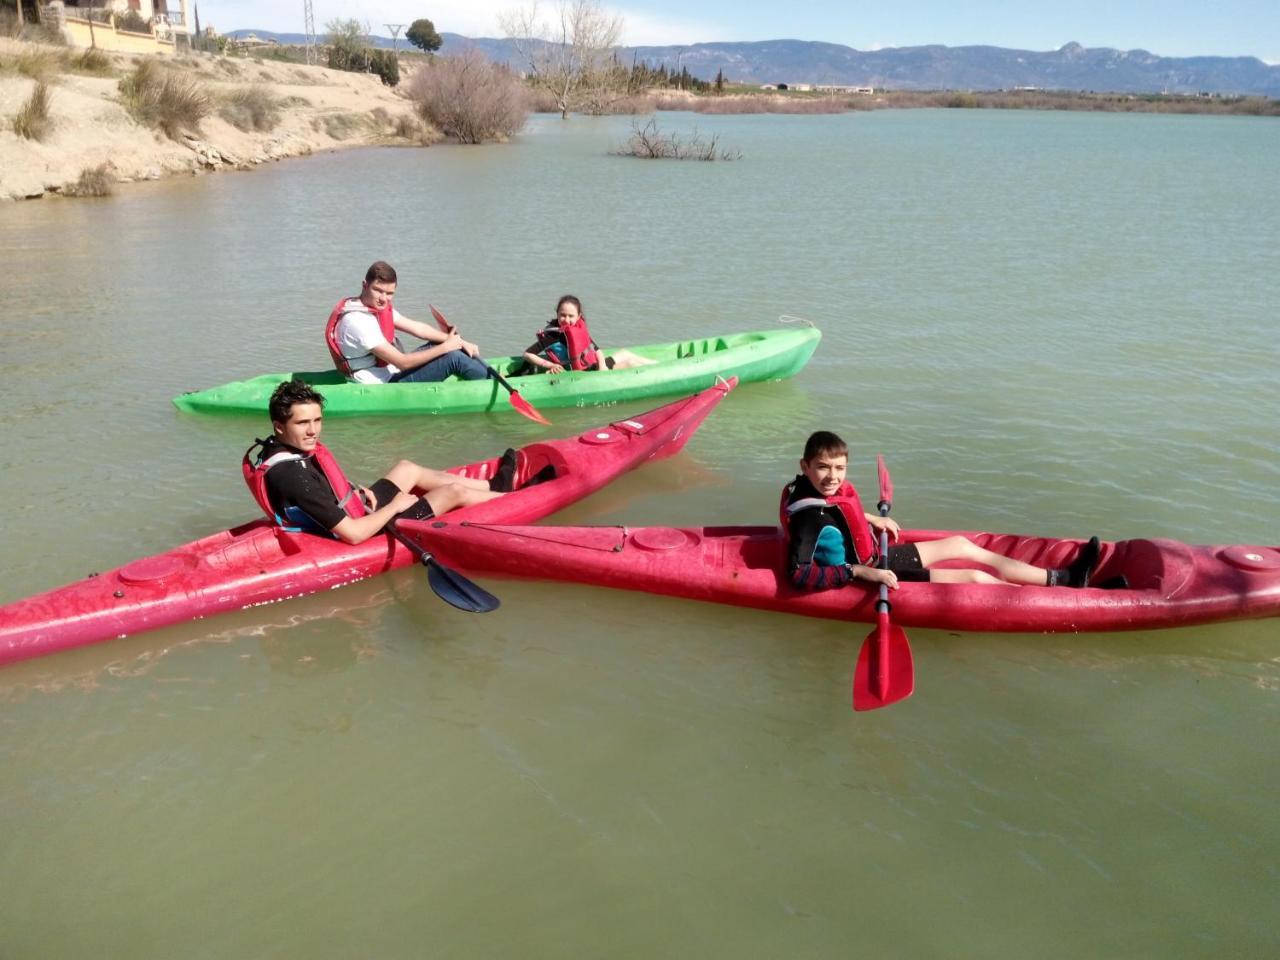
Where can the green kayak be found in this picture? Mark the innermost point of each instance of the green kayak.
(684, 367)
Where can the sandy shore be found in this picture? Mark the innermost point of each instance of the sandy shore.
(325, 110)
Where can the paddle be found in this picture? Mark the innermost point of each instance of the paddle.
(520, 403)
(884, 673)
(449, 585)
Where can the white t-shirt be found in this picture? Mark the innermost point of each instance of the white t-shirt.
(357, 333)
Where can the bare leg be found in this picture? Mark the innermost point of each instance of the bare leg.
(453, 495)
(962, 576)
(961, 548)
(623, 359)
(408, 475)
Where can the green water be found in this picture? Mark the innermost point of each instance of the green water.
(1048, 323)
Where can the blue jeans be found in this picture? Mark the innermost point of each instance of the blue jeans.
(455, 361)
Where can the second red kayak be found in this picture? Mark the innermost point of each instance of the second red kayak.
(1169, 583)
(259, 562)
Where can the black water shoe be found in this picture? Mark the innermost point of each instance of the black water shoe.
(1079, 569)
(504, 479)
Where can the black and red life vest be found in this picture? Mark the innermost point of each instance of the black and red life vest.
(255, 475)
(386, 324)
(580, 347)
(857, 531)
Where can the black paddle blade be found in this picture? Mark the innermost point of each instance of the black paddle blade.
(884, 673)
(453, 588)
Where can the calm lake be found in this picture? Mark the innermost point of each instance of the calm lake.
(1053, 323)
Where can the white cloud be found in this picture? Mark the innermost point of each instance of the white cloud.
(471, 18)
(647, 30)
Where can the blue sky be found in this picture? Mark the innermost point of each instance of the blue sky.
(1174, 28)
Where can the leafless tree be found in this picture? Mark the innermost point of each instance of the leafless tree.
(569, 53)
(469, 97)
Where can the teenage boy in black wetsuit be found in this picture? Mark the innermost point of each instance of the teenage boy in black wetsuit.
(296, 484)
(826, 548)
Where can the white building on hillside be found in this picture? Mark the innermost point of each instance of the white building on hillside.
(166, 16)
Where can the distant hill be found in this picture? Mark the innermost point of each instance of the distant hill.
(1071, 67)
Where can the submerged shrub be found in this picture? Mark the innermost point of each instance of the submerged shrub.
(648, 142)
(469, 97)
(251, 108)
(96, 181)
(33, 120)
(161, 98)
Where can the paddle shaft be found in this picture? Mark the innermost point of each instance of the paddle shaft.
(884, 673)
(447, 584)
(882, 612)
(882, 605)
(522, 405)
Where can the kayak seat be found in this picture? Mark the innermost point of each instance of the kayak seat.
(1164, 566)
(538, 458)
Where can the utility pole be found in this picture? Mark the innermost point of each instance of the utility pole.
(395, 29)
(309, 16)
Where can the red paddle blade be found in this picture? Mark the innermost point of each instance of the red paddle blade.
(884, 673)
(886, 484)
(523, 406)
(441, 322)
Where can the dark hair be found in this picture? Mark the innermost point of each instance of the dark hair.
(380, 270)
(568, 298)
(824, 441)
(289, 394)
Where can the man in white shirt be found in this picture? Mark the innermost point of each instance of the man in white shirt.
(361, 337)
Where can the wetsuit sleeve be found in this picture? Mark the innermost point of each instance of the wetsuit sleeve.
(803, 528)
(303, 486)
(545, 339)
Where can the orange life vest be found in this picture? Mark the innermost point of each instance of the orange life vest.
(581, 349)
(386, 324)
(255, 475)
(856, 530)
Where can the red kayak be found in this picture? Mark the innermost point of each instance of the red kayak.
(1169, 583)
(260, 563)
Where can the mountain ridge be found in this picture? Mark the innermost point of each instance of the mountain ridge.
(931, 67)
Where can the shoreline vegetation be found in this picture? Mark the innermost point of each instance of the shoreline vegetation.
(75, 122)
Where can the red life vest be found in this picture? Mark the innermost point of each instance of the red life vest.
(578, 343)
(386, 323)
(850, 506)
(255, 475)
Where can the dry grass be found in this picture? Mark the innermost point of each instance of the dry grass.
(33, 120)
(804, 103)
(92, 62)
(159, 97)
(96, 181)
(470, 98)
(343, 125)
(41, 64)
(254, 108)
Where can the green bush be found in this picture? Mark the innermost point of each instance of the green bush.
(384, 64)
(161, 98)
(33, 121)
(132, 22)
